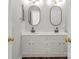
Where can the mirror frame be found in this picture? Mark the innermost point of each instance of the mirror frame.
(29, 14)
(50, 15)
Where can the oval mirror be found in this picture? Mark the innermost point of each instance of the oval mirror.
(56, 16)
(34, 15)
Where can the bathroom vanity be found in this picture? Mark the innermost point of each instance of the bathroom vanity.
(41, 28)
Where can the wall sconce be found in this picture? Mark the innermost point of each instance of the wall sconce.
(58, 2)
(33, 2)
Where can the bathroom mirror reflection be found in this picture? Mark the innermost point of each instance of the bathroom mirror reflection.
(34, 15)
(56, 15)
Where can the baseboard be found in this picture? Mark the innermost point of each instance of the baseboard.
(44, 58)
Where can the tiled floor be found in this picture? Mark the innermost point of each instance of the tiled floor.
(44, 58)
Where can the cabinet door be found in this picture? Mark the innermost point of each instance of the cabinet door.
(14, 28)
(10, 44)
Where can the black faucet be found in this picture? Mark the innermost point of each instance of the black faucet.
(56, 30)
(32, 30)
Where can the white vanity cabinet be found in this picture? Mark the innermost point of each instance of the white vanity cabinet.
(44, 46)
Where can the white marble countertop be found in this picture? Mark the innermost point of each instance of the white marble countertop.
(44, 33)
